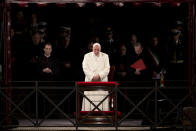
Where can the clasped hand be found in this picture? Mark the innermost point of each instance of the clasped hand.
(47, 70)
(96, 78)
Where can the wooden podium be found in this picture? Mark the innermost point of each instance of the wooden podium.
(98, 116)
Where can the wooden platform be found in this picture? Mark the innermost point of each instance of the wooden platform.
(65, 125)
(94, 129)
(79, 128)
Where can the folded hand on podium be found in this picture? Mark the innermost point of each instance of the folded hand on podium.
(96, 78)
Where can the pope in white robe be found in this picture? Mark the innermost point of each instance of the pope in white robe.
(96, 67)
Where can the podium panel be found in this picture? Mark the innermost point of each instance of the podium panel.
(98, 101)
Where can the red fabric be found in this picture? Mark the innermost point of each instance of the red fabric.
(98, 112)
(23, 5)
(97, 83)
(111, 74)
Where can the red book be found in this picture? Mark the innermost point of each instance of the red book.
(139, 64)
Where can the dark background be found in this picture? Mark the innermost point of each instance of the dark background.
(89, 21)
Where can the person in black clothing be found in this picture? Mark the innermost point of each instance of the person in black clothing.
(109, 45)
(138, 74)
(48, 71)
(158, 55)
(48, 66)
(65, 52)
(121, 64)
(36, 46)
(43, 30)
(33, 23)
(19, 23)
(34, 52)
(176, 52)
(130, 45)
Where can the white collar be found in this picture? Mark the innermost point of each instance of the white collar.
(47, 56)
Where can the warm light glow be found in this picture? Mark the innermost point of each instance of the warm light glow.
(175, 4)
(136, 4)
(156, 4)
(23, 5)
(81, 4)
(42, 4)
(98, 4)
(120, 4)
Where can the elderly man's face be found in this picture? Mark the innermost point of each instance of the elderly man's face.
(96, 50)
(138, 49)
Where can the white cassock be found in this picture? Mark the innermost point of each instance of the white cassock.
(93, 65)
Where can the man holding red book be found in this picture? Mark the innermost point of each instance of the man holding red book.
(140, 64)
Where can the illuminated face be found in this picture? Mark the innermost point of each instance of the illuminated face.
(138, 49)
(47, 50)
(96, 50)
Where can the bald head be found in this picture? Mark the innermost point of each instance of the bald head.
(96, 48)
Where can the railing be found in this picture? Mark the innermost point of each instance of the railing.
(145, 103)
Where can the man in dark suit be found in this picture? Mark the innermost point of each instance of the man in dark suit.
(48, 68)
(109, 45)
(144, 71)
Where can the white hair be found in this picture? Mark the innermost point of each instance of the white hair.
(96, 44)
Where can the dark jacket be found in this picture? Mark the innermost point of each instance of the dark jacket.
(146, 74)
(51, 63)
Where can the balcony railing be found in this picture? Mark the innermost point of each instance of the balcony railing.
(35, 103)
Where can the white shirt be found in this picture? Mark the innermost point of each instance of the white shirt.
(93, 65)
